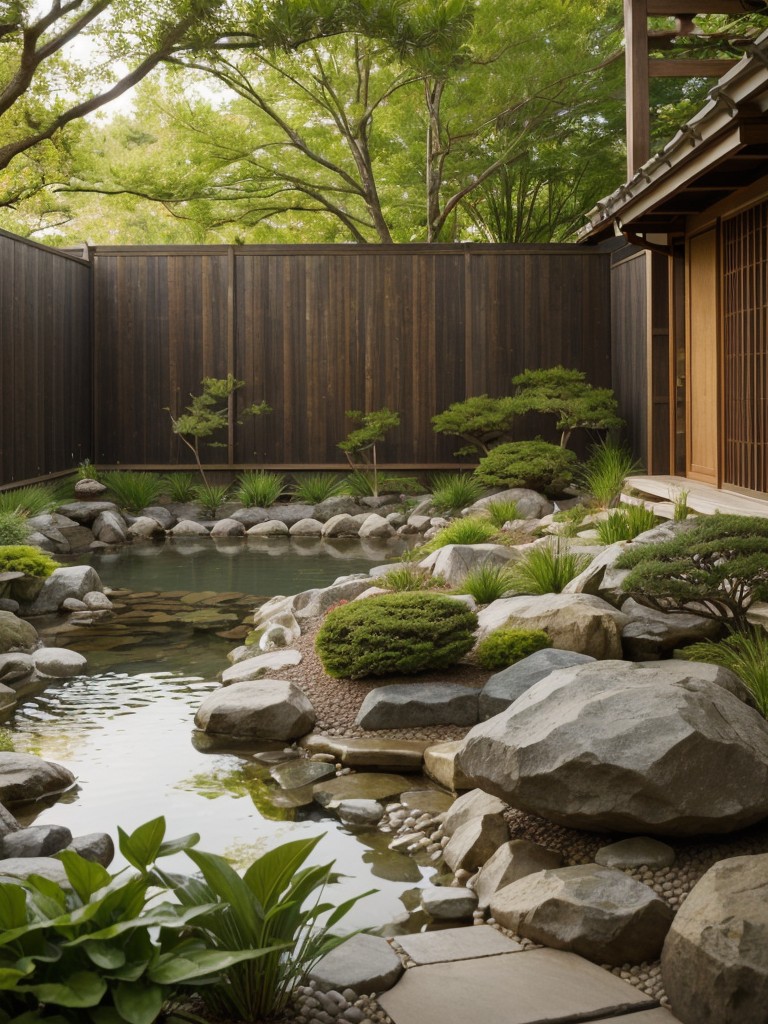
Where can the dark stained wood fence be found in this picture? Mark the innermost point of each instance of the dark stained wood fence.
(317, 330)
(45, 360)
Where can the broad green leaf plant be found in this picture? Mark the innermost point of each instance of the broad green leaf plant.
(113, 949)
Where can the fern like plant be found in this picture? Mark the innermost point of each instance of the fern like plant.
(546, 569)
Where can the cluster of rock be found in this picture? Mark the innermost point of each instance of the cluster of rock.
(24, 779)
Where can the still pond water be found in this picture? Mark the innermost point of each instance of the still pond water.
(126, 728)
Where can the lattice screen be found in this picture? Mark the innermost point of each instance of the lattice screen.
(745, 349)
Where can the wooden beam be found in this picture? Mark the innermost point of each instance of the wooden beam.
(637, 84)
(685, 68)
(671, 8)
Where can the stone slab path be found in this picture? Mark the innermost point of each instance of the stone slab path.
(465, 974)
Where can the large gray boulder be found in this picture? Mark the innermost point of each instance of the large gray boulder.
(407, 705)
(35, 841)
(636, 748)
(715, 959)
(260, 665)
(530, 504)
(86, 512)
(574, 622)
(474, 804)
(601, 578)
(475, 842)
(454, 561)
(269, 709)
(16, 634)
(650, 634)
(341, 525)
(71, 581)
(312, 603)
(509, 863)
(24, 777)
(503, 688)
(599, 913)
(145, 527)
(375, 525)
(110, 528)
(59, 662)
(15, 666)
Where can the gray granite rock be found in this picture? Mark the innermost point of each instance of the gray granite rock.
(251, 516)
(86, 488)
(290, 514)
(145, 527)
(364, 963)
(110, 527)
(268, 709)
(512, 861)
(650, 635)
(530, 504)
(269, 528)
(15, 869)
(306, 528)
(375, 525)
(448, 903)
(599, 913)
(24, 777)
(473, 804)
(715, 959)
(16, 635)
(228, 528)
(475, 842)
(161, 515)
(188, 528)
(338, 504)
(71, 581)
(95, 846)
(35, 841)
(341, 525)
(260, 665)
(360, 786)
(636, 852)
(407, 705)
(360, 812)
(453, 561)
(503, 688)
(86, 512)
(301, 772)
(59, 662)
(14, 666)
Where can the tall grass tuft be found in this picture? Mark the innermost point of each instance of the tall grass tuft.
(360, 484)
(745, 652)
(317, 487)
(603, 474)
(486, 582)
(546, 569)
(32, 500)
(681, 507)
(409, 577)
(180, 487)
(472, 530)
(452, 492)
(502, 511)
(211, 497)
(626, 523)
(260, 489)
(133, 491)
(13, 528)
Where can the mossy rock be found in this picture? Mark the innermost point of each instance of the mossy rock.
(16, 634)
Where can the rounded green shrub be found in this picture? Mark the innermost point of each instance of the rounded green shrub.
(395, 634)
(26, 559)
(538, 465)
(504, 647)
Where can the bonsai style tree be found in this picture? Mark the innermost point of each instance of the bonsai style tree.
(360, 445)
(567, 395)
(482, 421)
(209, 412)
(716, 568)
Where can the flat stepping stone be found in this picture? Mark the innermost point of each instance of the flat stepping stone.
(260, 665)
(408, 705)
(457, 944)
(448, 902)
(267, 758)
(365, 963)
(201, 597)
(361, 786)
(370, 753)
(430, 801)
(300, 773)
(538, 986)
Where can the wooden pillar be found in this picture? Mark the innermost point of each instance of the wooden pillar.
(637, 87)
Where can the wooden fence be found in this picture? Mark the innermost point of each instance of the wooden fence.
(45, 360)
(318, 330)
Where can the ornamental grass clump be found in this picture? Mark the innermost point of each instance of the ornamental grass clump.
(452, 492)
(502, 511)
(32, 500)
(180, 487)
(626, 523)
(472, 530)
(316, 488)
(486, 582)
(395, 634)
(546, 569)
(13, 528)
(504, 647)
(211, 497)
(604, 473)
(716, 567)
(260, 488)
(744, 652)
(409, 578)
(133, 491)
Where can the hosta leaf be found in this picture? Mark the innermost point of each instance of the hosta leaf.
(13, 906)
(180, 845)
(104, 955)
(172, 969)
(79, 990)
(11, 976)
(142, 846)
(85, 876)
(138, 1003)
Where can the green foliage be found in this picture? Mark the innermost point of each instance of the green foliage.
(681, 507)
(276, 907)
(102, 948)
(360, 445)
(482, 421)
(13, 528)
(23, 558)
(409, 577)
(315, 488)
(603, 474)
(504, 647)
(745, 652)
(626, 523)
(6, 741)
(452, 492)
(211, 497)
(546, 568)
(32, 500)
(211, 412)
(361, 483)
(394, 634)
(133, 491)
(472, 530)
(180, 487)
(87, 471)
(486, 582)
(573, 518)
(501, 511)
(567, 395)
(716, 567)
(260, 489)
(538, 465)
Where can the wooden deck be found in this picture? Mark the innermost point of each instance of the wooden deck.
(703, 498)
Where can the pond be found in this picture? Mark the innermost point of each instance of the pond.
(126, 728)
